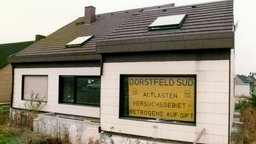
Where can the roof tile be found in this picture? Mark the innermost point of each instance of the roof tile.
(123, 26)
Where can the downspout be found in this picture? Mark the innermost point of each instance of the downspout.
(101, 73)
(12, 65)
(101, 65)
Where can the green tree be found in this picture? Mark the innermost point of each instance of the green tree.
(253, 95)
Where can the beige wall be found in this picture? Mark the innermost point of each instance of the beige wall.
(212, 101)
(212, 98)
(53, 104)
(5, 83)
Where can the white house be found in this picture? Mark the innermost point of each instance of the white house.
(161, 74)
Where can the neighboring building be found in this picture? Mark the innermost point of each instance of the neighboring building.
(6, 69)
(242, 86)
(161, 74)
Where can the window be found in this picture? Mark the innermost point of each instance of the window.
(35, 87)
(158, 97)
(83, 90)
(168, 22)
(79, 41)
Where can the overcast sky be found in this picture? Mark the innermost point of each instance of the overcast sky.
(21, 20)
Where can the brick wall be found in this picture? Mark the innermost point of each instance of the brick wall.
(5, 83)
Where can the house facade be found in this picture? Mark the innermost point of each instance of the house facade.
(159, 74)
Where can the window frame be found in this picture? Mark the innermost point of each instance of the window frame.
(124, 87)
(75, 78)
(79, 41)
(23, 88)
(174, 22)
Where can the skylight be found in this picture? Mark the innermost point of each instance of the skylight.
(79, 41)
(168, 22)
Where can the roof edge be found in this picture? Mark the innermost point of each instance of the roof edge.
(55, 58)
(166, 43)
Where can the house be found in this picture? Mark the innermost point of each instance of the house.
(242, 85)
(6, 69)
(161, 74)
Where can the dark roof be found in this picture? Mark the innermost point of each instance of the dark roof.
(207, 26)
(11, 48)
(52, 48)
(244, 78)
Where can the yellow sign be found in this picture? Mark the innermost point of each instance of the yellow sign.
(168, 97)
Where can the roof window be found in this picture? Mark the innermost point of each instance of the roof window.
(168, 22)
(79, 41)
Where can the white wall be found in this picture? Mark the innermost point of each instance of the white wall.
(242, 90)
(232, 88)
(52, 104)
(78, 130)
(212, 101)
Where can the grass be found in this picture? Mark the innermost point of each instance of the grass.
(16, 129)
(13, 135)
(16, 126)
(7, 136)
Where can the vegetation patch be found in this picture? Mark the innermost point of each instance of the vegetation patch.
(16, 127)
(13, 135)
(246, 133)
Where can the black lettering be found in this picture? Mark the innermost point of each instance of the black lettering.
(141, 82)
(151, 81)
(155, 81)
(159, 114)
(161, 82)
(171, 114)
(185, 82)
(131, 82)
(136, 81)
(171, 82)
(163, 95)
(146, 82)
(179, 82)
(141, 103)
(190, 82)
(172, 95)
(152, 94)
(158, 95)
(153, 104)
(145, 94)
(186, 115)
(132, 111)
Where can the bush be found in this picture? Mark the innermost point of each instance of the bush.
(4, 114)
(25, 117)
(13, 135)
(253, 96)
(247, 133)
